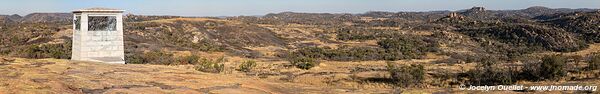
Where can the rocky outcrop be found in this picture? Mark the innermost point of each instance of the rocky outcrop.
(551, 38)
(478, 13)
(455, 15)
(475, 10)
(453, 18)
(584, 24)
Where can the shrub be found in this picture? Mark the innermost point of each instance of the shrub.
(192, 59)
(551, 68)
(487, 74)
(152, 57)
(356, 34)
(58, 51)
(304, 62)
(211, 66)
(531, 71)
(312, 52)
(33, 51)
(346, 53)
(247, 66)
(134, 59)
(158, 57)
(404, 48)
(392, 48)
(406, 75)
(594, 63)
(343, 53)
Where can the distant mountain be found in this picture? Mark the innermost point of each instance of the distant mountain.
(15, 17)
(539, 11)
(47, 17)
(531, 12)
(10, 18)
(475, 13)
(62, 18)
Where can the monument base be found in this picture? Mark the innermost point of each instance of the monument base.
(111, 60)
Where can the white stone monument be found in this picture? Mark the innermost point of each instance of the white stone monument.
(98, 35)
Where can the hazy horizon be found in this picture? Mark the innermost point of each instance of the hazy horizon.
(262, 7)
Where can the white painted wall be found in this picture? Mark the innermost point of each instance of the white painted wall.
(98, 45)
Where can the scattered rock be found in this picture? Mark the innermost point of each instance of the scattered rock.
(6, 60)
(102, 90)
(39, 80)
(39, 64)
(208, 89)
(161, 85)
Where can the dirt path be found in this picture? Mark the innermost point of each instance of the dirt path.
(594, 48)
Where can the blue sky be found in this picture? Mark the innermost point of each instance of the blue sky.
(261, 7)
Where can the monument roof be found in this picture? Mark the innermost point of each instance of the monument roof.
(99, 9)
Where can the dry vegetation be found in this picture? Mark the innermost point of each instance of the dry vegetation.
(373, 52)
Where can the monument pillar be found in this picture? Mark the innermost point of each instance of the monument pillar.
(98, 35)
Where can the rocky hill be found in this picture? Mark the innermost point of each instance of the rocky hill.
(201, 34)
(337, 53)
(11, 18)
(585, 24)
(47, 18)
(60, 18)
(551, 29)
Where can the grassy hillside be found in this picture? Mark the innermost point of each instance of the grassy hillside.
(320, 52)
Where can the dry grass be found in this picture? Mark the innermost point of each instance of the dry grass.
(63, 76)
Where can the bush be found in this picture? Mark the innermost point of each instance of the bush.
(33, 51)
(347, 53)
(312, 52)
(343, 53)
(247, 66)
(152, 57)
(304, 62)
(531, 71)
(158, 57)
(406, 75)
(134, 59)
(487, 74)
(394, 48)
(192, 59)
(551, 68)
(594, 63)
(58, 51)
(405, 47)
(211, 66)
(356, 34)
